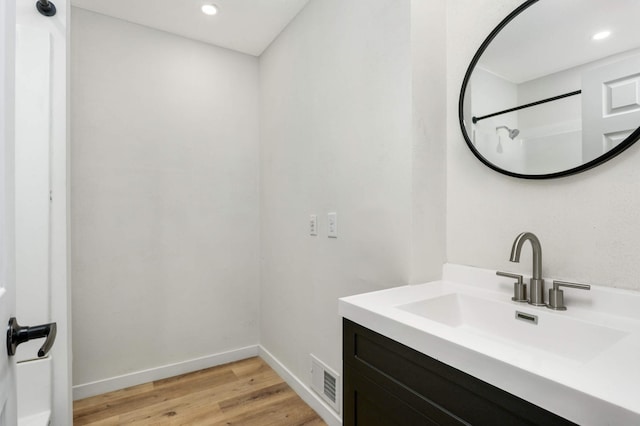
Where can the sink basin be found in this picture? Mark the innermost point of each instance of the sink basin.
(518, 324)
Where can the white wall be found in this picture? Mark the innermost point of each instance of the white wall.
(164, 212)
(429, 150)
(587, 223)
(336, 120)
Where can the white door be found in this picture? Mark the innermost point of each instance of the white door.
(610, 105)
(32, 182)
(8, 403)
(44, 384)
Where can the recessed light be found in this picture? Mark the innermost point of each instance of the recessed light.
(601, 35)
(209, 9)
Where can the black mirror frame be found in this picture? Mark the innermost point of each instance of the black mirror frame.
(630, 140)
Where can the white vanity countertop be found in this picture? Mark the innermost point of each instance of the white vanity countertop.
(599, 388)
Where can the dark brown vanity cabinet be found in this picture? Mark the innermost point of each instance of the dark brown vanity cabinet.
(387, 383)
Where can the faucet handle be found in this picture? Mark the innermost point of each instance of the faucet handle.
(510, 275)
(519, 288)
(556, 296)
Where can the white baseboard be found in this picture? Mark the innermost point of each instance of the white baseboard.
(139, 377)
(307, 395)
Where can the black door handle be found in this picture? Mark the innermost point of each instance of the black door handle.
(17, 334)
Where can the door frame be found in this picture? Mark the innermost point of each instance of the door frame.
(62, 404)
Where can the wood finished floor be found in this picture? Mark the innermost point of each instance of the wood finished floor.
(244, 393)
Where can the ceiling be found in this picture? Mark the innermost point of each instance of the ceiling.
(247, 26)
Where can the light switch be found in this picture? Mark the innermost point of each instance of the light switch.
(313, 225)
(332, 225)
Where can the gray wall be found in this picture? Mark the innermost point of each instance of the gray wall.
(164, 198)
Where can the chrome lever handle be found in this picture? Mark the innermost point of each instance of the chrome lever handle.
(556, 296)
(17, 334)
(519, 288)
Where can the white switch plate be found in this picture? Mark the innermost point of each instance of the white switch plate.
(332, 225)
(313, 225)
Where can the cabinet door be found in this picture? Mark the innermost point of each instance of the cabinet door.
(367, 404)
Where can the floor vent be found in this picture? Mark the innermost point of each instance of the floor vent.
(326, 383)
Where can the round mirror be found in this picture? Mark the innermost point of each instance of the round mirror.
(555, 88)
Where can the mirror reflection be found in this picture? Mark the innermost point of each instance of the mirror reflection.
(558, 89)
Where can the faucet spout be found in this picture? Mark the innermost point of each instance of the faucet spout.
(537, 283)
(537, 251)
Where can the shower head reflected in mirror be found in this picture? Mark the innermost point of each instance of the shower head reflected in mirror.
(512, 132)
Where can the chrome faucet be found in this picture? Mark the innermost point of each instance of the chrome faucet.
(536, 287)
